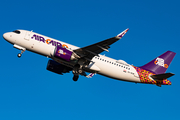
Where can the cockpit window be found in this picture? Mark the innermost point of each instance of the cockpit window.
(17, 31)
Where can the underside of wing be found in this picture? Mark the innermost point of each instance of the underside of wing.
(90, 51)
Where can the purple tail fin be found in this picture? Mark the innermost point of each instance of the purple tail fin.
(160, 64)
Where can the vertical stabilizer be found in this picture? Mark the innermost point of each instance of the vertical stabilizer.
(160, 64)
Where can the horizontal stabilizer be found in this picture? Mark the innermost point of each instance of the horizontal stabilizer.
(162, 76)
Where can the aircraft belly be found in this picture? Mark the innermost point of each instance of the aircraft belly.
(93, 67)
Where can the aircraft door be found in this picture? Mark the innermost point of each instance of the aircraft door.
(27, 35)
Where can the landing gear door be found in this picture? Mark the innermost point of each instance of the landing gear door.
(27, 35)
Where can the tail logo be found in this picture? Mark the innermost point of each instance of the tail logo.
(160, 62)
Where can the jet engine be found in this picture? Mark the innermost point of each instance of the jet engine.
(65, 54)
(56, 67)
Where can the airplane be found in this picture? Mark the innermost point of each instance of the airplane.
(65, 57)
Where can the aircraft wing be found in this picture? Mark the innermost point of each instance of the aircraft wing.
(90, 51)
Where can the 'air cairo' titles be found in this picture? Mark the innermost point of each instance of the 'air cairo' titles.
(47, 41)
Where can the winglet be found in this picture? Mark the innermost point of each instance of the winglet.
(119, 36)
(90, 75)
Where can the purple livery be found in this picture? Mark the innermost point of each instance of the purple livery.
(160, 64)
(63, 53)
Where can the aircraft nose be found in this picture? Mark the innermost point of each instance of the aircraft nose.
(6, 36)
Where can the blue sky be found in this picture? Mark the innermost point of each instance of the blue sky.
(28, 91)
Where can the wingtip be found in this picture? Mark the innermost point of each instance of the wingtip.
(122, 33)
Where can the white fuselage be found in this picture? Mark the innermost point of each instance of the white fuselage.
(116, 69)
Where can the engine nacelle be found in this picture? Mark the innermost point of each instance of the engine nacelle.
(64, 53)
(56, 67)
